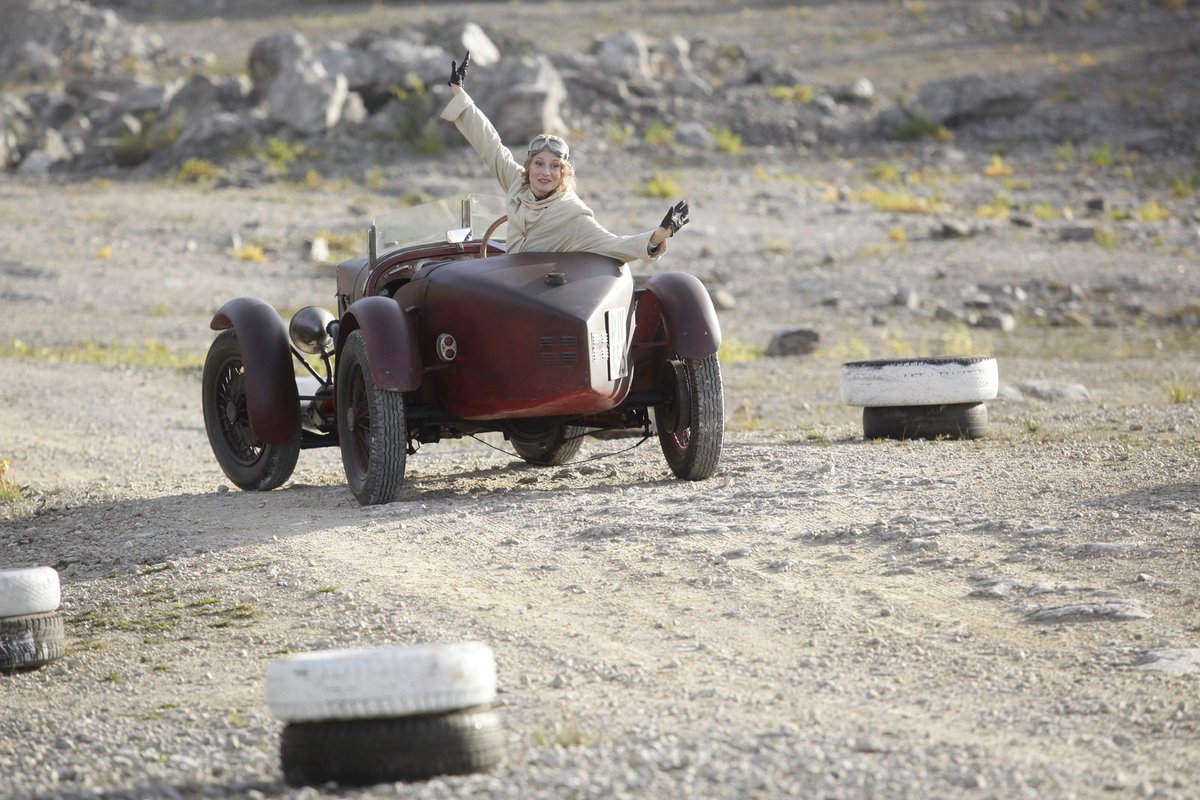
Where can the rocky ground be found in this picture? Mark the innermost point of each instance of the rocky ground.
(1009, 617)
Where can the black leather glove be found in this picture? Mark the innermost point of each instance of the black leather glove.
(676, 218)
(459, 74)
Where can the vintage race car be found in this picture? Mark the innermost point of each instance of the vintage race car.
(441, 334)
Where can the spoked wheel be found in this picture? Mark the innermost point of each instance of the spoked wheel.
(551, 448)
(372, 428)
(249, 463)
(691, 424)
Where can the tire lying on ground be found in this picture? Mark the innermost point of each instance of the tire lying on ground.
(937, 380)
(31, 640)
(940, 397)
(381, 682)
(362, 752)
(30, 590)
(950, 421)
(365, 716)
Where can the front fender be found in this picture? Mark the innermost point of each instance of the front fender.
(391, 338)
(272, 400)
(689, 314)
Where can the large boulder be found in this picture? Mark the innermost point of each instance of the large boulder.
(625, 55)
(43, 38)
(306, 98)
(524, 97)
(467, 37)
(15, 117)
(963, 99)
(272, 54)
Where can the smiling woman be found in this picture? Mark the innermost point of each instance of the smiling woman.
(544, 212)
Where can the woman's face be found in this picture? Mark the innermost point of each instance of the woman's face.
(545, 173)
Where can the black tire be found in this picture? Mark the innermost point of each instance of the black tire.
(31, 640)
(692, 425)
(362, 752)
(372, 428)
(952, 421)
(553, 451)
(249, 463)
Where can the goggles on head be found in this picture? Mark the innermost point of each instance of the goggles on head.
(548, 141)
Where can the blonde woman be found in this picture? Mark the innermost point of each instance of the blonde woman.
(544, 212)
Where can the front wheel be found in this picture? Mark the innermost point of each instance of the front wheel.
(249, 463)
(371, 426)
(691, 423)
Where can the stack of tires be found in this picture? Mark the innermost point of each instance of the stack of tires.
(31, 626)
(367, 716)
(939, 397)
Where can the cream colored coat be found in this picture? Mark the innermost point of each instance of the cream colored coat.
(560, 222)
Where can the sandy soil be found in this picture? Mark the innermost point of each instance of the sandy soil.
(1009, 617)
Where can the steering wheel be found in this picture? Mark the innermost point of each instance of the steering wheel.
(491, 229)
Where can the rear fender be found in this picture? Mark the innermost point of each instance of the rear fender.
(272, 400)
(688, 312)
(391, 339)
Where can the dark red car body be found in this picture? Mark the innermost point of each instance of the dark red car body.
(453, 337)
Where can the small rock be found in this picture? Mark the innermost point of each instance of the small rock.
(794, 342)
(1077, 233)
(1005, 323)
(723, 299)
(954, 229)
(316, 249)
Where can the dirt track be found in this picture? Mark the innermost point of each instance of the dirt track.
(1011, 617)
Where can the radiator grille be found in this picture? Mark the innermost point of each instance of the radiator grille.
(553, 350)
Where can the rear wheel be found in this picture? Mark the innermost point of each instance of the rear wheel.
(249, 463)
(691, 424)
(372, 428)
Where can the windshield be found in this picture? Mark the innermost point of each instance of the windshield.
(436, 222)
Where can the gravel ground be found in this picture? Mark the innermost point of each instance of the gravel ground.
(1009, 617)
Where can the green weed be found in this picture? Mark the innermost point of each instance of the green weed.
(1043, 210)
(659, 185)
(199, 170)
(798, 93)
(886, 172)
(1153, 211)
(900, 202)
(280, 153)
(620, 134)
(1108, 238)
(1180, 393)
(727, 141)
(732, 351)
(9, 491)
(1065, 153)
(922, 126)
(151, 353)
(1184, 188)
(660, 135)
(564, 734)
(1102, 155)
(252, 251)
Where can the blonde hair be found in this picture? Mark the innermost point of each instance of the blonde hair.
(568, 173)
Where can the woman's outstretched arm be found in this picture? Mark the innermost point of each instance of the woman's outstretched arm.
(478, 130)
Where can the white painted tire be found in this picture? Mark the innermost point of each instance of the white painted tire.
(381, 682)
(934, 381)
(32, 590)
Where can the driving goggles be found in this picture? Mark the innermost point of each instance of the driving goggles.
(548, 141)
